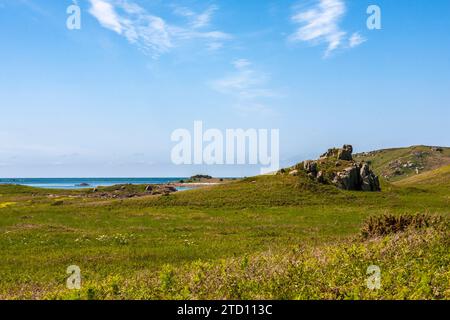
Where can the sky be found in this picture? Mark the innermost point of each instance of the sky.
(103, 100)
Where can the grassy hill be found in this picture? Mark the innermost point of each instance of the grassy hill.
(438, 178)
(276, 236)
(400, 163)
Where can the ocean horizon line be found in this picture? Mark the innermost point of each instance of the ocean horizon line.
(90, 182)
(162, 177)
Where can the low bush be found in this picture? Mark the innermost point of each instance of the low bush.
(386, 224)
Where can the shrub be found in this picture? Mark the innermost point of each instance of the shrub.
(376, 226)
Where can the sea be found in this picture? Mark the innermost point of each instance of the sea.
(80, 183)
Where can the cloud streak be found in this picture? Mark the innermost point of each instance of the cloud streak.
(197, 20)
(247, 87)
(151, 33)
(106, 15)
(356, 39)
(320, 24)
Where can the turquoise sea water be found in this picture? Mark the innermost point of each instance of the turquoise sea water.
(78, 183)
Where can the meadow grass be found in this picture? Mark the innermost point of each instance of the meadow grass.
(413, 264)
(130, 248)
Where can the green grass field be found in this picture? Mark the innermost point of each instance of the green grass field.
(425, 158)
(268, 237)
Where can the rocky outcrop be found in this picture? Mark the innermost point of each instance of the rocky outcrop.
(345, 153)
(369, 181)
(160, 189)
(164, 190)
(83, 184)
(348, 179)
(357, 177)
(330, 153)
(337, 167)
(310, 167)
(201, 176)
(132, 191)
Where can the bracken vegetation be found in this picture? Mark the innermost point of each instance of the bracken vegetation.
(389, 224)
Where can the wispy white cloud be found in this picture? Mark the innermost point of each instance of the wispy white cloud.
(214, 46)
(356, 39)
(203, 19)
(247, 86)
(106, 15)
(197, 20)
(320, 24)
(151, 33)
(241, 63)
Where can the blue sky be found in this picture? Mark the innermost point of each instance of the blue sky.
(104, 100)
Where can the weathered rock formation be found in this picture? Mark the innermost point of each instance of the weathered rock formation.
(352, 176)
(369, 181)
(330, 153)
(357, 177)
(348, 179)
(310, 168)
(345, 153)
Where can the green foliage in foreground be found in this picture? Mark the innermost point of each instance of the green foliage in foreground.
(414, 265)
